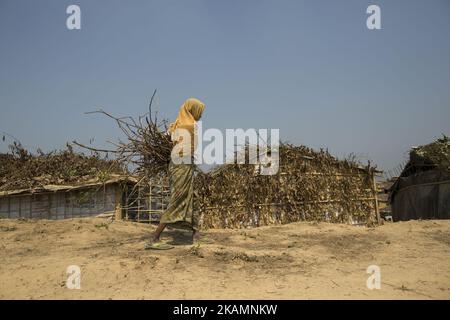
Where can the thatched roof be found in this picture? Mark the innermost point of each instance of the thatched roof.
(66, 187)
(20, 169)
(435, 155)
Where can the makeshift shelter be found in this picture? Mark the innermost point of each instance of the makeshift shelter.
(309, 186)
(86, 199)
(423, 189)
(60, 184)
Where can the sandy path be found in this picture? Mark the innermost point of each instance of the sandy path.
(295, 261)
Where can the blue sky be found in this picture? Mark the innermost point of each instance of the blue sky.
(310, 68)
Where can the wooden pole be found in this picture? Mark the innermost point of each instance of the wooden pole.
(290, 203)
(118, 200)
(126, 203)
(71, 197)
(375, 197)
(150, 186)
(64, 205)
(31, 203)
(139, 204)
(50, 200)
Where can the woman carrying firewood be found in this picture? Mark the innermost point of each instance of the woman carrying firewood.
(181, 212)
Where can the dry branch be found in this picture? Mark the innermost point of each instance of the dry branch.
(147, 147)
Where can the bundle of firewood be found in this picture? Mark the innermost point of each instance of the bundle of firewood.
(147, 147)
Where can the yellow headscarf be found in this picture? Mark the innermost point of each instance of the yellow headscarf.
(190, 112)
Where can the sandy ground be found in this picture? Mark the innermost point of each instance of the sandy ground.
(295, 261)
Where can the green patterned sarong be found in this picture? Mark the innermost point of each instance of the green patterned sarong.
(180, 212)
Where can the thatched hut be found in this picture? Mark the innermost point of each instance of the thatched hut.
(86, 199)
(423, 189)
(60, 184)
(309, 186)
